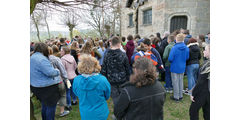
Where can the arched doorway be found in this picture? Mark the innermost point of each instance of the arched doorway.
(178, 22)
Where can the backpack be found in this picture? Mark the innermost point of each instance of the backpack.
(148, 55)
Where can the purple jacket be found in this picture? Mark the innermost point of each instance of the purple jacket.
(70, 65)
(129, 50)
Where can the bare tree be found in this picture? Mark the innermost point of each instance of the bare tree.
(70, 20)
(37, 21)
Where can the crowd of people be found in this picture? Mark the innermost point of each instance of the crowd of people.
(128, 69)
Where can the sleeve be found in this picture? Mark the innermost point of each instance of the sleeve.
(62, 69)
(187, 53)
(127, 66)
(165, 54)
(199, 55)
(155, 52)
(46, 68)
(97, 54)
(122, 103)
(171, 55)
(200, 83)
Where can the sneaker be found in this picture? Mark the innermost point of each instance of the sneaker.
(74, 103)
(69, 108)
(170, 91)
(64, 113)
(180, 98)
(172, 98)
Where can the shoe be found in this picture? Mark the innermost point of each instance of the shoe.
(69, 108)
(64, 113)
(180, 98)
(74, 103)
(172, 98)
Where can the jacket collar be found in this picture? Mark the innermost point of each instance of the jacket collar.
(191, 44)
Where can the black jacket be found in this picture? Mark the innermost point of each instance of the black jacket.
(115, 67)
(163, 45)
(203, 83)
(194, 54)
(144, 103)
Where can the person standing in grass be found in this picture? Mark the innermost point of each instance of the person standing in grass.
(192, 63)
(166, 53)
(201, 92)
(178, 56)
(92, 89)
(70, 66)
(42, 81)
(143, 97)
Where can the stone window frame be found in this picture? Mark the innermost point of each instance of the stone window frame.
(179, 14)
(144, 10)
(130, 26)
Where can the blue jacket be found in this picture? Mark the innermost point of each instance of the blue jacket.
(92, 91)
(42, 72)
(178, 56)
(187, 39)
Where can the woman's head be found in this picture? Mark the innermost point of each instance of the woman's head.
(141, 48)
(192, 40)
(74, 45)
(88, 64)
(87, 48)
(144, 72)
(42, 48)
(65, 50)
(201, 38)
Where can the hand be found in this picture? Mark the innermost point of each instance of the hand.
(192, 98)
(162, 66)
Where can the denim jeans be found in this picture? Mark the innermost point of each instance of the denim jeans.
(192, 73)
(48, 112)
(177, 81)
(70, 94)
(168, 78)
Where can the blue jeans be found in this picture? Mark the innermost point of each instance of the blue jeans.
(48, 112)
(168, 78)
(192, 73)
(69, 94)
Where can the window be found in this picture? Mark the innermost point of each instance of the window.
(178, 22)
(147, 17)
(130, 20)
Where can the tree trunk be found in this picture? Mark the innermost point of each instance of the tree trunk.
(36, 25)
(136, 31)
(33, 4)
(71, 33)
(49, 35)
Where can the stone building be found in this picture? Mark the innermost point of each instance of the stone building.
(165, 15)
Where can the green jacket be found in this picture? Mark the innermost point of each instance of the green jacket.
(166, 53)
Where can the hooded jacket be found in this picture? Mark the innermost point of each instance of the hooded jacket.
(194, 54)
(187, 39)
(166, 53)
(93, 91)
(57, 63)
(70, 65)
(115, 67)
(129, 50)
(178, 56)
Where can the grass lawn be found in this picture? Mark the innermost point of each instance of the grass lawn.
(172, 109)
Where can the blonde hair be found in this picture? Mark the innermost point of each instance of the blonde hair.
(88, 64)
(180, 37)
(74, 45)
(50, 50)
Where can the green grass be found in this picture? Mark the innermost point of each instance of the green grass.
(172, 109)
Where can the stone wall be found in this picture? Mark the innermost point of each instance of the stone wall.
(197, 11)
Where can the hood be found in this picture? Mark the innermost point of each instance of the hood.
(181, 46)
(188, 36)
(89, 82)
(69, 58)
(194, 47)
(130, 43)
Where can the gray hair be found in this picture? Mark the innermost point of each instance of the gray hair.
(166, 33)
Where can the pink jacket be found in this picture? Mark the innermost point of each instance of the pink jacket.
(70, 65)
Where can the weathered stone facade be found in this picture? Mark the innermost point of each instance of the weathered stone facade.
(196, 11)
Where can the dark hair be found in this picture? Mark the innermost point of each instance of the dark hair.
(137, 36)
(174, 33)
(146, 72)
(171, 38)
(159, 36)
(76, 36)
(123, 39)
(147, 41)
(42, 48)
(202, 38)
(130, 37)
(115, 40)
(186, 32)
(155, 40)
(191, 40)
(141, 48)
(62, 40)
